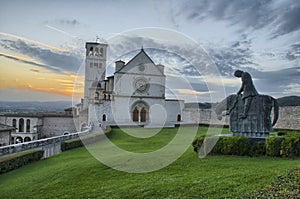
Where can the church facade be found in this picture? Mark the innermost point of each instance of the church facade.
(134, 95)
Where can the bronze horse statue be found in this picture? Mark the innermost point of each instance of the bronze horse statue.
(258, 121)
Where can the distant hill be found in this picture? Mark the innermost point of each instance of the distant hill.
(198, 105)
(33, 107)
(289, 101)
(283, 101)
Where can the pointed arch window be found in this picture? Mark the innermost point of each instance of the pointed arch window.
(143, 115)
(135, 115)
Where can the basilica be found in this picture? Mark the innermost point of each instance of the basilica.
(133, 95)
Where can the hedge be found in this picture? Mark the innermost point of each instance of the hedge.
(17, 160)
(286, 146)
(88, 139)
(273, 146)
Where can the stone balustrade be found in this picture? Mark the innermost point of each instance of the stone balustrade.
(51, 145)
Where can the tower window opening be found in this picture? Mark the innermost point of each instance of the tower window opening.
(96, 95)
(14, 122)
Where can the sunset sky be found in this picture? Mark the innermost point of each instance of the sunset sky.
(42, 43)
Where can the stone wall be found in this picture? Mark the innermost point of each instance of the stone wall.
(202, 116)
(81, 119)
(5, 137)
(55, 126)
(289, 117)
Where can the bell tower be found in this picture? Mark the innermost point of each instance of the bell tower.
(95, 64)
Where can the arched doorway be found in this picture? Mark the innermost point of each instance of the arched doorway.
(178, 118)
(83, 126)
(104, 118)
(27, 139)
(140, 112)
(19, 140)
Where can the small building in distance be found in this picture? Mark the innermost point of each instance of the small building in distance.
(5, 134)
(34, 126)
(70, 111)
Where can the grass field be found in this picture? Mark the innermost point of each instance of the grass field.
(77, 174)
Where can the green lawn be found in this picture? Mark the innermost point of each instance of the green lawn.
(77, 174)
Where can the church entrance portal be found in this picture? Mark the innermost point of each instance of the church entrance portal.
(140, 112)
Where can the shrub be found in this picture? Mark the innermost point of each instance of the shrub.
(257, 149)
(273, 146)
(16, 160)
(235, 145)
(197, 143)
(287, 146)
(71, 144)
(218, 148)
(88, 139)
(290, 147)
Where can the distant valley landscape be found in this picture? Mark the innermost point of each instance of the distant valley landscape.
(59, 106)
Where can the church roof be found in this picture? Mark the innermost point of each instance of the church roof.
(96, 84)
(141, 57)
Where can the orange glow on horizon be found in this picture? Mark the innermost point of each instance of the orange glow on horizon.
(25, 76)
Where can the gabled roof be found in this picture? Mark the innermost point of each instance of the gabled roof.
(141, 57)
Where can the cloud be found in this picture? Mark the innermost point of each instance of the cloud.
(277, 83)
(71, 22)
(288, 21)
(34, 70)
(237, 55)
(63, 22)
(50, 58)
(281, 16)
(22, 60)
(14, 37)
(294, 52)
(191, 92)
